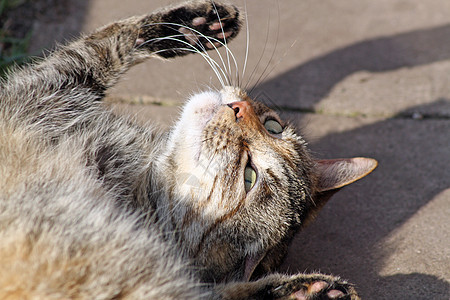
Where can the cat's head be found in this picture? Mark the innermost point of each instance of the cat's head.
(241, 182)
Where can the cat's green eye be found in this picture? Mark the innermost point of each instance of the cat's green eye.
(273, 126)
(249, 178)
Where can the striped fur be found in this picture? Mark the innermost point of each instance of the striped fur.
(95, 206)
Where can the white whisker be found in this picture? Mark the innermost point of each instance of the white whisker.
(214, 65)
(262, 55)
(225, 40)
(274, 49)
(278, 62)
(209, 60)
(247, 41)
(184, 42)
(211, 40)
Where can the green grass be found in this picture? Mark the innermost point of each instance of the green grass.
(13, 50)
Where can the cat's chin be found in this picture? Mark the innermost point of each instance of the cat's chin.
(197, 112)
(202, 107)
(188, 135)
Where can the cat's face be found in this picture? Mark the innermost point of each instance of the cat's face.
(240, 182)
(242, 179)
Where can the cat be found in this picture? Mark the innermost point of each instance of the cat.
(95, 206)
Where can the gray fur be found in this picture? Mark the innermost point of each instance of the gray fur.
(95, 206)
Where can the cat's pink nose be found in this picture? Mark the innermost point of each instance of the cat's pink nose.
(242, 109)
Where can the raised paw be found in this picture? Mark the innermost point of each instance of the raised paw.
(215, 36)
(191, 27)
(213, 29)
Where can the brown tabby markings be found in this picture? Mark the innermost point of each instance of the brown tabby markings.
(273, 176)
(95, 206)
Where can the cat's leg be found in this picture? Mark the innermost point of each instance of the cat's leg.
(62, 89)
(201, 25)
(300, 287)
(175, 31)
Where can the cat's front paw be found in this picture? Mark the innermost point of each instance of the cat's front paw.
(190, 27)
(313, 286)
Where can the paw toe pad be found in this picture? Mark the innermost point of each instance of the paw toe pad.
(318, 289)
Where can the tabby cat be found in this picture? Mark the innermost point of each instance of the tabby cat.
(95, 206)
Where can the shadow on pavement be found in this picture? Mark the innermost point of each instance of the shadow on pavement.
(48, 21)
(348, 238)
(414, 155)
(313, 80)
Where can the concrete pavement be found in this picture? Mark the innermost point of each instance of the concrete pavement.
(364, 78)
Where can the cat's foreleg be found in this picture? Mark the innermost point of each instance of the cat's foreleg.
(300, 287)
(175, 31)
(61, 90)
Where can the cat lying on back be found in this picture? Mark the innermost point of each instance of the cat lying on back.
(94, 206)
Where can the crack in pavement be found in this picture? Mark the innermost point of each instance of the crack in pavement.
(411, 115)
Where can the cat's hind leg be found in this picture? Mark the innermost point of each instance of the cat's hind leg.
(314, 286)
(296, 287)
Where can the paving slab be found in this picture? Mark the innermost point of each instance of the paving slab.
(388, 233)
(353, 56)
(49, 22)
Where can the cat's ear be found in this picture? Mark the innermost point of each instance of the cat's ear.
(336, 173)
(332, 175)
